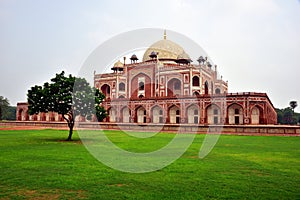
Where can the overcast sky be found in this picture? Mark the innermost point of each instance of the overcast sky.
(255, 43)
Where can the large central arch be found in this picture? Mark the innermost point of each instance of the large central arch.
(141, 86)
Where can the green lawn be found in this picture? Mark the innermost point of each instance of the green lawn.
(40, 165)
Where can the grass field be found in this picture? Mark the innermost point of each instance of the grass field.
(37, 164)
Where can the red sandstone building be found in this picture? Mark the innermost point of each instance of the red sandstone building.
(165, 87)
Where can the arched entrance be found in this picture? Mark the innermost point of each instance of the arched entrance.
(255, 115)
(21, 115)
(174, 115)
(213, 114)
(193, 114)
(235, 114)
(157, 115)
(141, 115)
(112, 115)
(126, 115)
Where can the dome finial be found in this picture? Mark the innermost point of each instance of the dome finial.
(165, 35)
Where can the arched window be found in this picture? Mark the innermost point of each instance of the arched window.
(236, 111)
(174, 87)
(196, 81)
(206, 87)
(121, 86)
(141, 86)
(105, 89)
(218, 91)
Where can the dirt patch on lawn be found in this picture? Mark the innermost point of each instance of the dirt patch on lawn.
(34, 194)
(47, 194)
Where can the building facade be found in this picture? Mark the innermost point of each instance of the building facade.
(165, 87)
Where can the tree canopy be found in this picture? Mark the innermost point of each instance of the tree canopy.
(287, 116)
(68, 96)
(293, 104)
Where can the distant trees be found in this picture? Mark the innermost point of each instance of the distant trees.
(68, 96)
(3, 106)
(287, 115)
(7, 112)
(10, 113)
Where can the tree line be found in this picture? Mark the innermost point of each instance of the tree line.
(288, 115)
(7, 112)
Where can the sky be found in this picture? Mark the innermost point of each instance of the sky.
(255, 43)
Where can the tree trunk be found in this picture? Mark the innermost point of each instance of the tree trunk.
(70, 121)
(70, 131)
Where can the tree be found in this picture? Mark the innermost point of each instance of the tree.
(279, 116)
(288, 116)
(9, 113)
(100, 111)
(68, 96)
(4, 104)
(293, 104)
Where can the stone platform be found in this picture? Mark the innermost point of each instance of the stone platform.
(182, 128)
